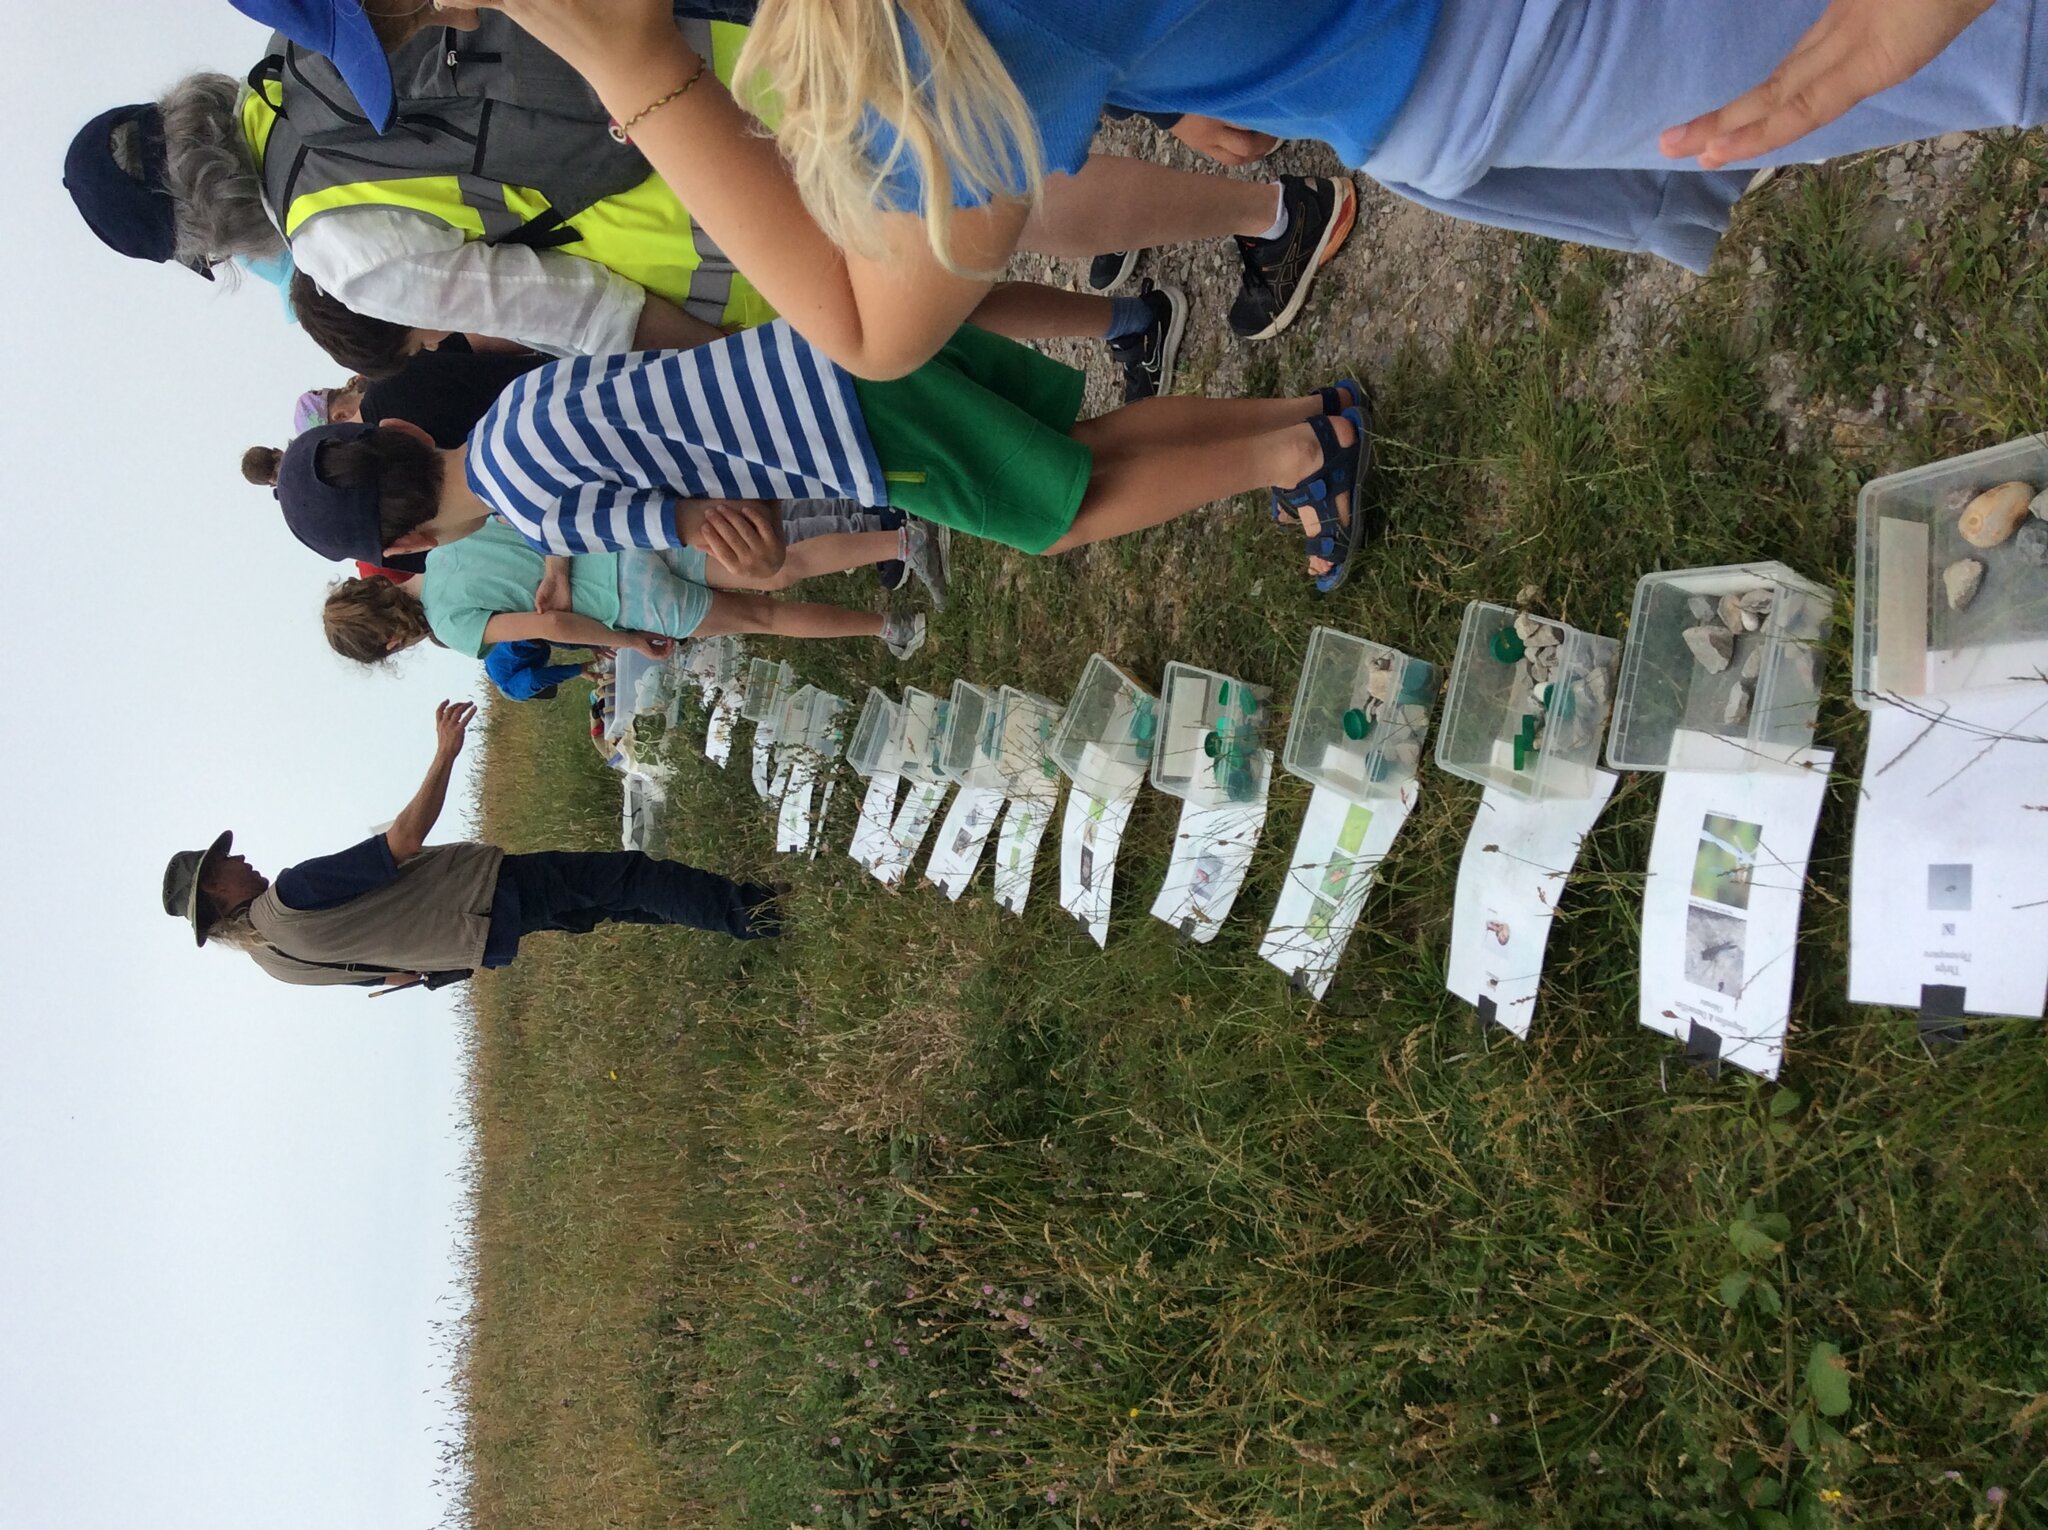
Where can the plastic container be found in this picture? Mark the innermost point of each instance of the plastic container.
(1527, 703)
(1361, 714)
(1211, 744)
(811, 721)
(1909, 640)
(712, 661)
(768, 683)
(1666, 688)
(1104, 738)
(873, 730)
(1000, 740)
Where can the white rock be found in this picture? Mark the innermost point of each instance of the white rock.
(1736, 712)
(1962, 579)
(1702, 608)
(1712, 647)
(1753, 664)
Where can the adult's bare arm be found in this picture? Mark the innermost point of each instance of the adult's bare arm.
(408, 833)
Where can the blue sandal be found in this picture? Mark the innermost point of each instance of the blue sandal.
(1343, 470)
(1333, 403)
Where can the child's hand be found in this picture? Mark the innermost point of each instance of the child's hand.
(1224, 142)
(553, 591)
(654, 645)
(745, 535)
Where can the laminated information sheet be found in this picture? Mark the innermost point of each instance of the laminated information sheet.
(1948, 889)
(1721, 904)
(1339, 849)
(793, 814)
(1090, 836)
(872, 846)
(962, 835)
(1212, 851)
(914, 822)
(725, 716)
(1024, 821)
(1516, 860)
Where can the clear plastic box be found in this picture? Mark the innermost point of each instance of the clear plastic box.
(1526, 707)
(1361, 714)
(1666, 687)
(712, 661)
(768, 685)
(877, 724)
(1909, 640)
(1104, 738)
(1211, 744)
(1000, 740)
(811, 721)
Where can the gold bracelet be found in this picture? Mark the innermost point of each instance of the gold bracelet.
(619, 129)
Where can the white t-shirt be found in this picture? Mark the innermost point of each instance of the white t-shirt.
(386, 263)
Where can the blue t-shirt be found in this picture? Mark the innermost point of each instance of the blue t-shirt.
(1334, 70)
(327, 881)
(521, 669)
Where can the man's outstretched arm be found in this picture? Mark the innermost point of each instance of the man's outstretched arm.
(408, 833)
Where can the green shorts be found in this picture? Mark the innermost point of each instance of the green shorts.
(979, 439)
(663, 591)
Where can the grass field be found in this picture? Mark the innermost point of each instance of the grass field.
(933, 1216)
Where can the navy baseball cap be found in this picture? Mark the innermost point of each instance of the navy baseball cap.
(337, 521)
(132, 214)
(341, 32)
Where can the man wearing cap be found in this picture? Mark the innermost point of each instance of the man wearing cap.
(393, 911)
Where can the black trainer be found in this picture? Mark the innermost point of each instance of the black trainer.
(1279, 272)
(1147, 357)
(1108, 272)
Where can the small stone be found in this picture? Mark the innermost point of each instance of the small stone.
(1736, 712)
(1758, 601)
(2039, 505)
(1730, 612)
(1526, 626)
(1995, 514)
(1702, 608)
(1948, 143)
(1379, 683)
(1596, 687)
(1753, 663)
(2032, 543)
(1712, 647)
(1528, 595)
(1962, 579)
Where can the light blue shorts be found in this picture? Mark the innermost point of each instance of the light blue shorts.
(663, 591)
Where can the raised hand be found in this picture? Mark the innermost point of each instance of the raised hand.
(451, 726)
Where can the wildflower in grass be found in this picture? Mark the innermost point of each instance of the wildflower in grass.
(873, 1361)
(833, 1441)
(1994, 1495)
(1051, 1496)
(1132, 1414)
(1830, 1495)
(1952, 1475)
(1026, 1302)
(987, 1289)
(867, 1343)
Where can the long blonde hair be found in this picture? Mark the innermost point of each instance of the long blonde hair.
(813, 68)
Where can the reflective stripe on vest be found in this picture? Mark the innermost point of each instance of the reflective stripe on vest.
(644, 234)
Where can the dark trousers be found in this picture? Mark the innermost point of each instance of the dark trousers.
(573, 891)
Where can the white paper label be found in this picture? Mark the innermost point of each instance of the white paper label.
(1335, 857)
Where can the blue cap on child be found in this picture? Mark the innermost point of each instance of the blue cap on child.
(338, 521)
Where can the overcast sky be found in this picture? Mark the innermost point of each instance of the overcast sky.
(228, 1207)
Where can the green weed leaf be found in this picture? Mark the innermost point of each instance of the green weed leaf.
(1827, 1379)
(1784, 1102)
(1733, 1285)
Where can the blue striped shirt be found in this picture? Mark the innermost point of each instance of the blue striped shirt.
(592, 454)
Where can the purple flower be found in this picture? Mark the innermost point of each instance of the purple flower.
(1994, 1495)
(751, 1243)
(1952, 1475)
(1051, 1496)
(817, 1508)
(873, 1361)
(867, 1343)
(1026, 1302)
(987, 1289)
(833, 1441)
(796, 1280)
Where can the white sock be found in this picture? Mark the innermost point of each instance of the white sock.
(1279, 225)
